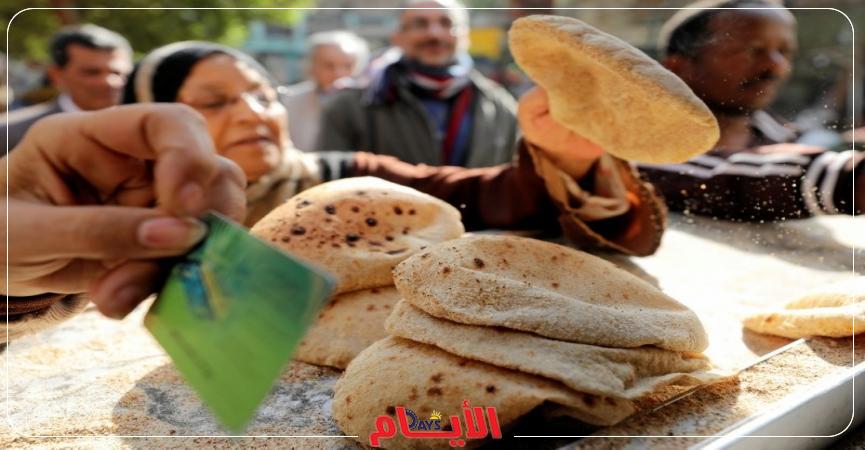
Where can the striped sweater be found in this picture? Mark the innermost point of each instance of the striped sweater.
(751, 186)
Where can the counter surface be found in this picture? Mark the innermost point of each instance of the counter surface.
(95, 382)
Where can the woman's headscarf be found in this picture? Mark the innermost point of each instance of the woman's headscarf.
(159, 76)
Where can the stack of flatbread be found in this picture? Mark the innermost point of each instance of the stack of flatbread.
(358, 229)
(517, 324)
(833, 311)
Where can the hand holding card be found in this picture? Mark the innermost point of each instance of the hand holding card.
(231, 314)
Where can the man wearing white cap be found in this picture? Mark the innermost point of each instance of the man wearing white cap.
(736, 55)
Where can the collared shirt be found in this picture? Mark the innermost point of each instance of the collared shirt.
(67, 104)
(767, 130)
(303, 103)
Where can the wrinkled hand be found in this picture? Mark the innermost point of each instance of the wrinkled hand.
(95, 199)
(569, 151)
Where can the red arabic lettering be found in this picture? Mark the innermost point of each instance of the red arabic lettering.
(385, 429)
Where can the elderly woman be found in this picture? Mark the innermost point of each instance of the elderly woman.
(559, 180)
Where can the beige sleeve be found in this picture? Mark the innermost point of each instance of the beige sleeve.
(611, 207)
(297, 172)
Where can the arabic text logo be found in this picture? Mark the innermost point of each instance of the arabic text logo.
(479, 423)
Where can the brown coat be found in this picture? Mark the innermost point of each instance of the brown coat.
(533, 194)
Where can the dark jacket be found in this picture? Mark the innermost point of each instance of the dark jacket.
(21, 120)
(353, 119)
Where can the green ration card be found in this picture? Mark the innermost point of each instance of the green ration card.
(231, 314)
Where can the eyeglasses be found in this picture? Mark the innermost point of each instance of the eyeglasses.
(258, 100)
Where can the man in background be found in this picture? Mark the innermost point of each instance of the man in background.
(425, 104)
(333, 55)
(89, 66)
(736, 61)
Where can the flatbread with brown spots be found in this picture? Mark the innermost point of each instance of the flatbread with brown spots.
(359, 228)
(399, 372)
(617, 372)
(547, 289)
(348, 324)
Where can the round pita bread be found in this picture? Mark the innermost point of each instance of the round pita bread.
(397, 372)
(346, 325)
(546, 289)
(609, 92)
(845, 293)
(359, 228)
(616, 372)
(832, 311)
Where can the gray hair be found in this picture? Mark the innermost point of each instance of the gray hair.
(346, 41)
(88, 35)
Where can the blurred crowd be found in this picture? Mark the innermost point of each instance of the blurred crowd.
(423, 101)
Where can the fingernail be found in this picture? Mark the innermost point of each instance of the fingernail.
(191, 196)
(170, 233)
(126, 298)
(116, 315)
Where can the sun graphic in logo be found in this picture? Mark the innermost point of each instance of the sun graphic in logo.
(435, 415)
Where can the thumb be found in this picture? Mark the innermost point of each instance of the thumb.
(97, 232)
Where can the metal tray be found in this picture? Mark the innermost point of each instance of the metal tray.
(811, 419)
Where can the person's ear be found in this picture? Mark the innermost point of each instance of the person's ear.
(55, 74)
